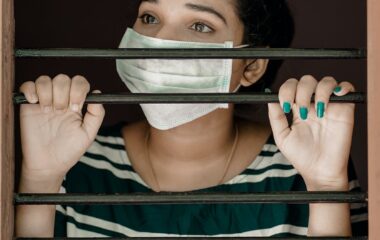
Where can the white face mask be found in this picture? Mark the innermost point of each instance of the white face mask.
(174, 76)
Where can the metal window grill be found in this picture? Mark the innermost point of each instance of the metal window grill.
(191, 198)
(187, 198)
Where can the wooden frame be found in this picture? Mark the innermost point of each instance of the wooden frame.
(373, 15)
(7, 118)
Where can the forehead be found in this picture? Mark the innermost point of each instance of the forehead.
(226, 6)
(228, 2)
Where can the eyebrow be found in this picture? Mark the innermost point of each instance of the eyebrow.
(198, 8)
(202, 8)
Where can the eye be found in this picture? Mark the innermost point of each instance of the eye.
(148, 19)
(203, 28)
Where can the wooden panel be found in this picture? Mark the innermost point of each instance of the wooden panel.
(374, 117)
(6, 120)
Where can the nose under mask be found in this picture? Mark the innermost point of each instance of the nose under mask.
(174, 76)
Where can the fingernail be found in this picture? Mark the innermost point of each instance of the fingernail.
(287, 107)
(320, 109)
(75, 107)
(33, 97)
(48, 109)
(303, 113)
(338, 89)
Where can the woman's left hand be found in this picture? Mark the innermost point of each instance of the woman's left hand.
(318, 142)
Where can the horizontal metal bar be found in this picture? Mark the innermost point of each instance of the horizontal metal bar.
(211, 238)
(190, 198)
(242, 98)
(236, 53)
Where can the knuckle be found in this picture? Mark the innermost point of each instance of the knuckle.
(77, 96)
(81, 82)
(60, 102)
(328, 80)
(26, 86)
(80, 79)
(349, 86)
(43, 80)
(322, 95)
(303, 97)
(288, 88)
(291, 81)
(286, 91)
(308, 79)
(61, 79)
(62, 75)
(102, 110)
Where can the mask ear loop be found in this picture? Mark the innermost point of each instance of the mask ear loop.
(237, 88)
(243, 46)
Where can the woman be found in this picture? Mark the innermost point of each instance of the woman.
(189, 147)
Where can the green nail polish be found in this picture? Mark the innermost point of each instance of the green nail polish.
(303, 113)
(320, 109)
(287, 107)
(337, 89)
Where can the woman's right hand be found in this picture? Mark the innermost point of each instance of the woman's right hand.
(54, 133)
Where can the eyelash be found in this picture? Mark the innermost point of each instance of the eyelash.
(144, 19)
(211, 30)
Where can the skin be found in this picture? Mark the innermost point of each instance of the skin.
(55, 133)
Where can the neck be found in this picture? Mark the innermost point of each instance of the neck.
(204, 139)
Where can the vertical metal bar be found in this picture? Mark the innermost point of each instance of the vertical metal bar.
(373, 15)
(7, 119)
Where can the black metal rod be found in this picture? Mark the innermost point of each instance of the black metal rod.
(190, 198)
(242, 98)
(243, 53)
(211, 238)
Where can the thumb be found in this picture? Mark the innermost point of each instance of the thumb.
(279, 123)
(93, 118)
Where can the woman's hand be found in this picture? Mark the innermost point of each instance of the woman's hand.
(54, 134)
(318, 142)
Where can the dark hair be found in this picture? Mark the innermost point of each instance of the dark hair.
(266, 23)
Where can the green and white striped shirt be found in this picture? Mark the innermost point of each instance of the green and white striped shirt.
(105, 168)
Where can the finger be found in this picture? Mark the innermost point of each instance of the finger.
(279, 122)
(287, 94)
(30, 92)
(44, 91)
(323, 93)
(61, 92)
(93, 118)
(305, 90)
(343, 88)
(79, 89)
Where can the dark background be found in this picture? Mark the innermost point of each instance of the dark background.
(101, 24)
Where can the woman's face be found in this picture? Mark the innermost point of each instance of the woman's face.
(212, 21)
